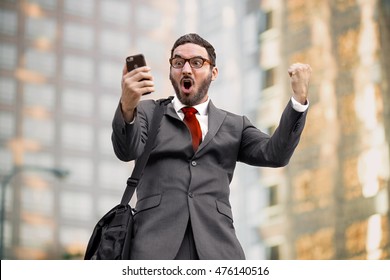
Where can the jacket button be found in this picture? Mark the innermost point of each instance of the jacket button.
(193, 163)
(190, 194)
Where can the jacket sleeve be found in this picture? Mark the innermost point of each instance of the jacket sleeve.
(260, 149)
(129, 140)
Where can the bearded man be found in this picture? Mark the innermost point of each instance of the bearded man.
(183, 209)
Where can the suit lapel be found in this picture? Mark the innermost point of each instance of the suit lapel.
(216, 118)
(170, 111)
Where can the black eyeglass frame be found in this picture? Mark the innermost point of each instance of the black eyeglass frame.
(189, 61)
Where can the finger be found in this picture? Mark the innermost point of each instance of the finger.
(142, 69)
(292, 69)
(146, 83)
(142, 76)
(298, 68)
(147, 89)
(124, 70)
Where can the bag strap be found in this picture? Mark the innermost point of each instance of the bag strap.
(140, 163)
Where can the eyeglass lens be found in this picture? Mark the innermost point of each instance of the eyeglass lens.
(195, 62)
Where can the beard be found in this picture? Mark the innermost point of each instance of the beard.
(195, 99)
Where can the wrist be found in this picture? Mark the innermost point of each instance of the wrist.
(127, 113)
(299, 107)
(301, 99)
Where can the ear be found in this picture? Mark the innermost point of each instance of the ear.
(214, 73)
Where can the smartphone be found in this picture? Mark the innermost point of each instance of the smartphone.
(135, 61)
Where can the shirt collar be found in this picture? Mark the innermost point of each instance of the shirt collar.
(201, 108)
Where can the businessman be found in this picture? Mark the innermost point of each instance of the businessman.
(183, 209)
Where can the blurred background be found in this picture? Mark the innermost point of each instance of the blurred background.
(60, 71)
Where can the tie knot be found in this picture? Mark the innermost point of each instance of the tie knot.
(189, 111)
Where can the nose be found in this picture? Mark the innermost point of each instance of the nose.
(187, 67)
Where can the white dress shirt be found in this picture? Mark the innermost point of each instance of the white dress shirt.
(202, 114)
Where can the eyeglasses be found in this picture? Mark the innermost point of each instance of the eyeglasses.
(195, 62)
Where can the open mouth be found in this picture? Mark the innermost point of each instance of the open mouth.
(187, 83)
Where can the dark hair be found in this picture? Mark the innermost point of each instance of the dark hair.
(196, 39)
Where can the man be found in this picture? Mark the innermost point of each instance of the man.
(183, 209)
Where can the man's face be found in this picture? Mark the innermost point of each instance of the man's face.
(191, 84)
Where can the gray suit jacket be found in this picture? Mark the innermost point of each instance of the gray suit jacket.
(178, 185)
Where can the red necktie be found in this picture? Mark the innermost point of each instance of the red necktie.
(192, 123)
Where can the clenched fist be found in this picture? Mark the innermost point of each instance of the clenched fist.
(300, 76)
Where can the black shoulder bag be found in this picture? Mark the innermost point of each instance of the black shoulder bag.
(112, 235)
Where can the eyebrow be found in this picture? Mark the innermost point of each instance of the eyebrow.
(179, 56)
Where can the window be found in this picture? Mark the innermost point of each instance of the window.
(76, 206)
(106, 202)
(48, 4)
(269, 17)
(105, 144)
(8, 22)
(41, 130)
(37, 200)
(77, 136)
(269, 77)
(77, 102)
(117, 12)
(249, 37)
(73, 240)
(78, 36)
(322, 240)
(112, 175)
(212, 15)
(109, 74)
(83, 8)
(8, 56)
(42, 95)
(80, 171)
(38, 28)
(144, 43)
(6, 160)
(36, 235)
(7, 91)
(40, 61)
(252, 6)
(148, 17)
(273, 198)
(74, 236)
(39, 158)
(274, 252)
(79, 69)
(107, 106)
(7, 125)
(114, 43)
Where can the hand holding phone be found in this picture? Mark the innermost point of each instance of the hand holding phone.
(134, 62)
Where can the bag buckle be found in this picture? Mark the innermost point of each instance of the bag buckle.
(131, 182)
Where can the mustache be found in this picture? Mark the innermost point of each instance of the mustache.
(187, 78)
